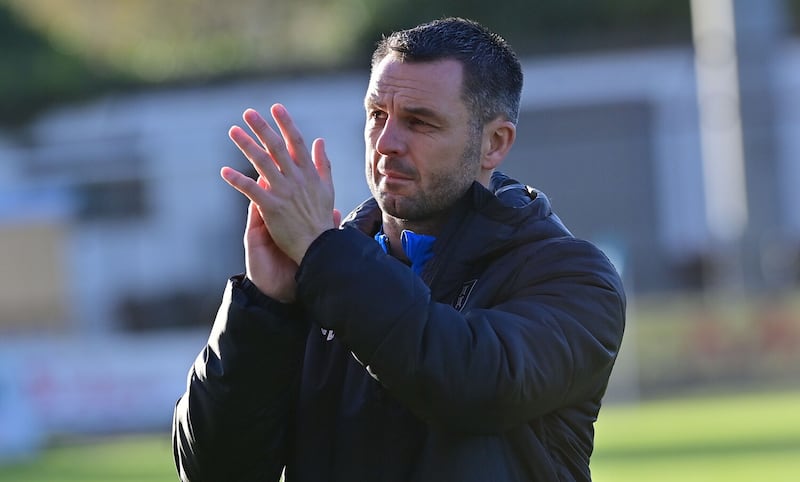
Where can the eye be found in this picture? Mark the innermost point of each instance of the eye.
(376, 114)
(419, 124)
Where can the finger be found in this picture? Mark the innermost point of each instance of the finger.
(245, 185)
(254, 219)
(261, 128)
(321, 161)
(337, 217)
(258, 157)
(272, 142)
(293, 138)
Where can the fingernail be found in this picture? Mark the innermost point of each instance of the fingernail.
(252, 115)
(278, 110)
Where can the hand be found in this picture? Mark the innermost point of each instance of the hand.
(293, 197)
(266, 265)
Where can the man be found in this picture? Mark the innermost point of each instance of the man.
(451, 329)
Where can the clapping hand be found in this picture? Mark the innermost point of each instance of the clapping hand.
(291, 202)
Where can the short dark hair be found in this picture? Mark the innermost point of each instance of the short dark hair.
(492, 72)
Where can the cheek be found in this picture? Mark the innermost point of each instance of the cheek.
(369, 148)
(369, 167)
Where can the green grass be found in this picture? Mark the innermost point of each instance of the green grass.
(731, 438)
(140, 458)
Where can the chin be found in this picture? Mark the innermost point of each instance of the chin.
(390, 204)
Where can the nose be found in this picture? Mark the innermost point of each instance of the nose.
(389, 141)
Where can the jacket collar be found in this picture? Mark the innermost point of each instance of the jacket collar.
(494, 218)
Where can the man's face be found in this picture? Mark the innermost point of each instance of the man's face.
(421, 152)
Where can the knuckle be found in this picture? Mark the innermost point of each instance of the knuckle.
(278, 145)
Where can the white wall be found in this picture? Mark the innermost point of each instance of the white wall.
(180, 134)
(182, 137)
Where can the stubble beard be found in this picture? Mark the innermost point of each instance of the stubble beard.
(431, 205)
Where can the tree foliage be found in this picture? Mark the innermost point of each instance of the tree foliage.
(552, 26)
(59, 49)
(34, 72)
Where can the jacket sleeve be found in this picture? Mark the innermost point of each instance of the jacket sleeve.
(549, 339)
(231, 423)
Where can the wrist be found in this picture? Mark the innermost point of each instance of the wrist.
(263, 289)
(298, 249)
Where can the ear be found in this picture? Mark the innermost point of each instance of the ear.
(498, 137)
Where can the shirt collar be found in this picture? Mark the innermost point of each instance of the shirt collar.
(418, 247)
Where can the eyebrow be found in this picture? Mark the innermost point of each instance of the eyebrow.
(426, 112)
(372, 100)
(423, 112)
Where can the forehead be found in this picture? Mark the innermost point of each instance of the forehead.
(431, 84)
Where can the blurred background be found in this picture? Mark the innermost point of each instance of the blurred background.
(665, 131)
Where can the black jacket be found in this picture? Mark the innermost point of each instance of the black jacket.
(490, 367)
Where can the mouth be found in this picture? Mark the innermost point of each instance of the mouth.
(395, 170)
(395, 176)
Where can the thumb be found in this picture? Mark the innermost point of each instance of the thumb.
(321, 161)
(253, 216)
(337, 217)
